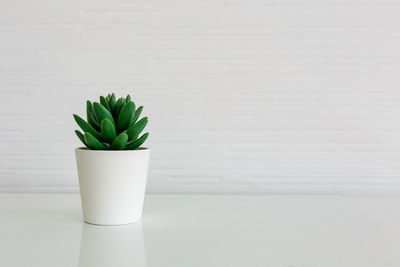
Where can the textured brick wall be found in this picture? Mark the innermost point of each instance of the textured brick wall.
(264, 96)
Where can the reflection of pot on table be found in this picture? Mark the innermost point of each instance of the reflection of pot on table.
(105, 246)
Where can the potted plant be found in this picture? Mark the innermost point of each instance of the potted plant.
(112, 167)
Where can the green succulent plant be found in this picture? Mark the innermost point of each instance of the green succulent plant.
(112, 124)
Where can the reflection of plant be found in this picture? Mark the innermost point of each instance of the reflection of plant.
(112, 124)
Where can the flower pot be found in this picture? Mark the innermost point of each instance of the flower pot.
(112, 184)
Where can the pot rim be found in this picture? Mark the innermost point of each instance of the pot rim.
(112, 151)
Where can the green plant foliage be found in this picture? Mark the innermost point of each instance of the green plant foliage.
(119, 105)
(90, 116)
(104, 103)
(108, 130)
(93, 143)
(119, 142)
(86, 127)
(80, 136)
(113, 102)
(137, 114)
(137, 143)
(134, 131)
(125, 116)
(112, 124)
(102, 112)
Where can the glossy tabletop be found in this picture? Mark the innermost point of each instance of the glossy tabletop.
(204, 230)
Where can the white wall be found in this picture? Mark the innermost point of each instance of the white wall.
(288, 96)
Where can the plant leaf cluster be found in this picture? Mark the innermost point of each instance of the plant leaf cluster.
(112, 124)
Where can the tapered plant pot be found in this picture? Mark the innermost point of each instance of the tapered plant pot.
(112, 184)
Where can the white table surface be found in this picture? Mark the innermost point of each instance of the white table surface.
(204, 230)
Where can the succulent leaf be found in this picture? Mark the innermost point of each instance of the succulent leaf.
(136, 116)
(102, 112)
(80, 136)
(108, 130)
(137, 143)
(105, 104)
(93, 143)
(128, 98)
(120, 104)
(86, 127)
(90, 116)
(113, 103)
(120, 142)
(125, 116)
(134, 131)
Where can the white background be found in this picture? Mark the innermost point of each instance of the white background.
(243, 96)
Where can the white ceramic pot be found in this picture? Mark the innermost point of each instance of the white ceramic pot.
(112, 184)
